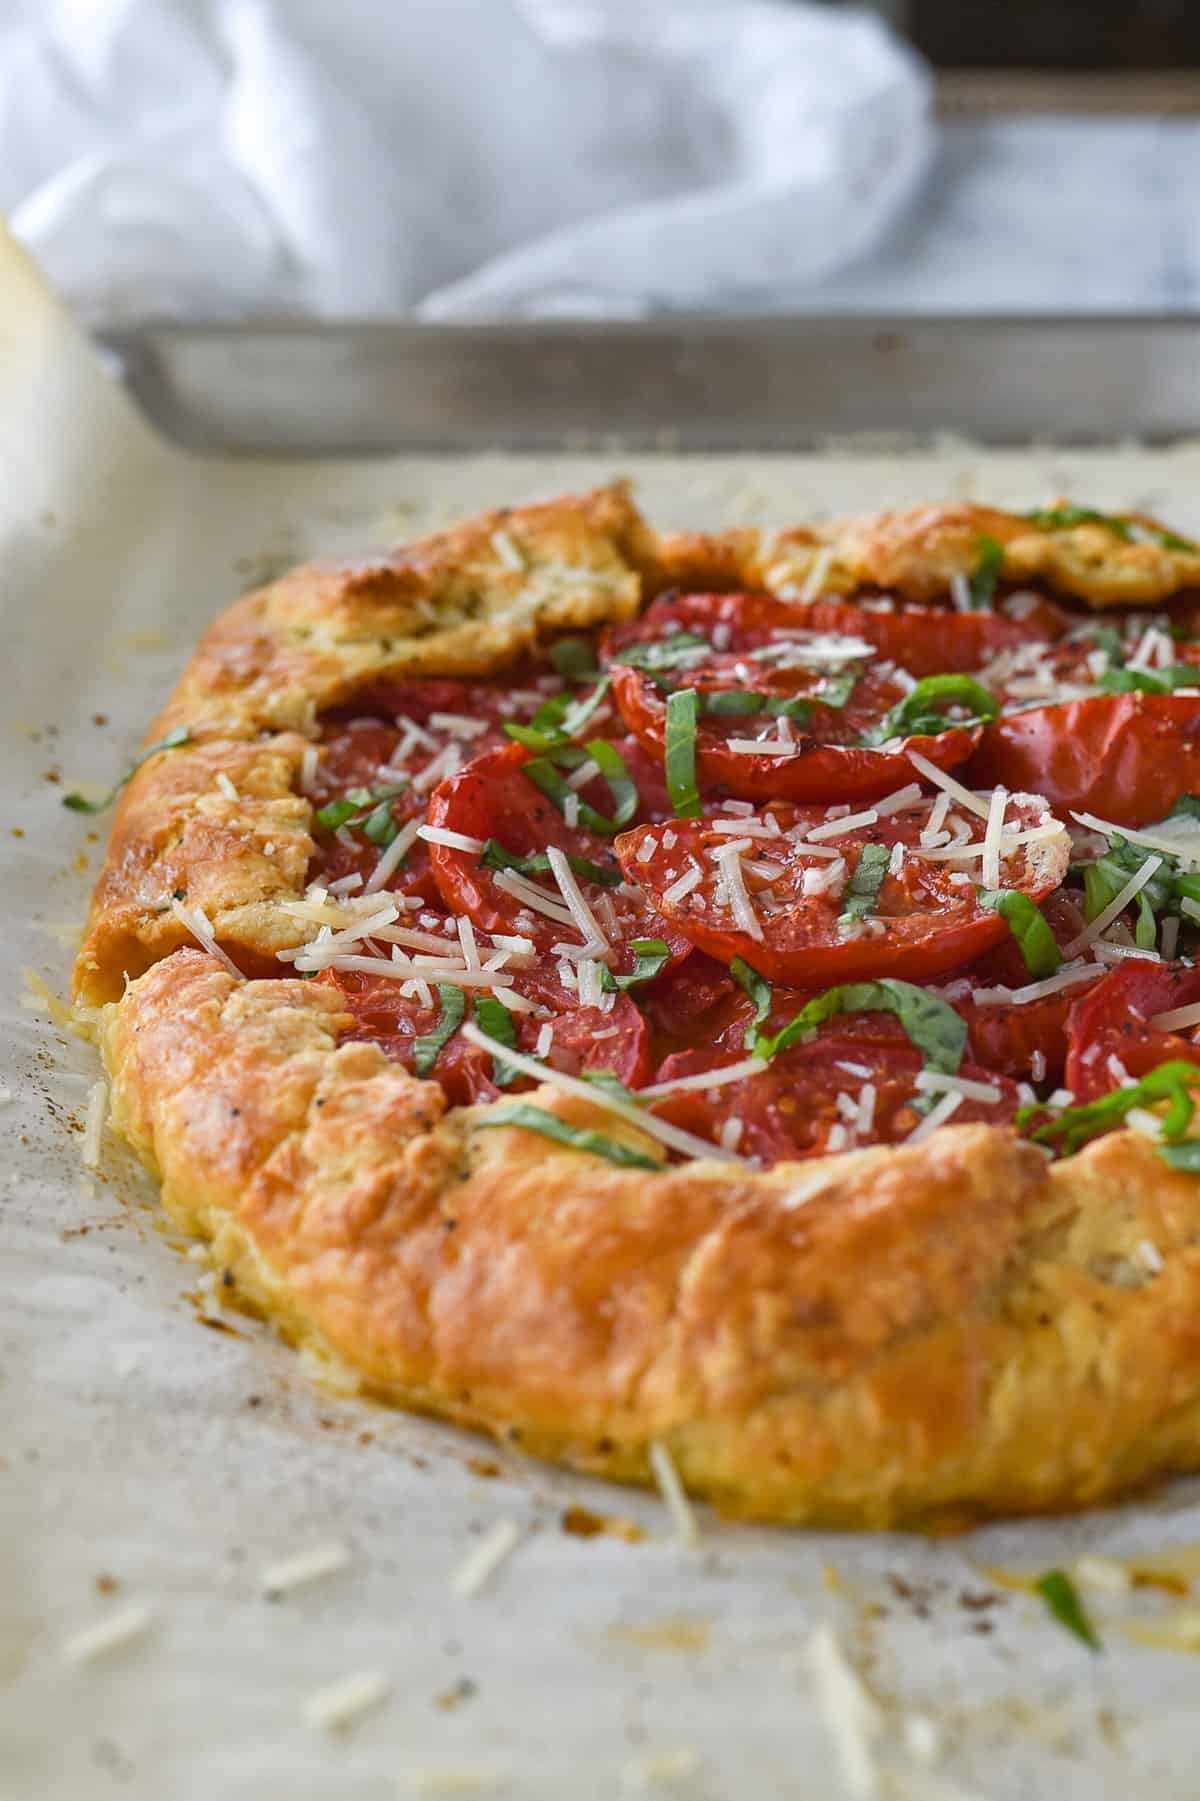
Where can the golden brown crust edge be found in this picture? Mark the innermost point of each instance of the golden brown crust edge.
(470, 601)
(889, 1337)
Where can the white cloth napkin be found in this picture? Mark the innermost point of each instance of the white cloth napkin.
(214, 158)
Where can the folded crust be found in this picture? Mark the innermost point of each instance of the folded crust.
(891, 1336)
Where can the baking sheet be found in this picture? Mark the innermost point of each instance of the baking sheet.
(146, 1449)
(654, 384)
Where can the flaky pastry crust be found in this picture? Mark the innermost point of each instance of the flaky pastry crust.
(911, 1335)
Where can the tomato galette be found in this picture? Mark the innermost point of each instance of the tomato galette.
(724, 1002)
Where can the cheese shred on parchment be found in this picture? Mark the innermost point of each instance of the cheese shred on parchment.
(674, 1497)
(852, 1715)
(341, 1703)
(93, 1124)
(484, 1559)
(287, 1573)
(119, 1628)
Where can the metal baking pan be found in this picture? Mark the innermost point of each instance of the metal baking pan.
(677, 384)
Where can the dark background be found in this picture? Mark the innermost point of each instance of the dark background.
(1063, 35)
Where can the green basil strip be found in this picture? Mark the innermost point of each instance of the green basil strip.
(575, 658)
(1132, 531)
(429, 1046)
(494, 1018)
(987, 574)
(1108, 639)
(495, 856)
(557, 720)
(1140, 681)
(1058, 1592)
(1145, 932)
(544, 774)
(680, 758)
(649, 956)
(757, 989)
(662, 653)
(933, 1027)
(1074, 1126)
(919, 714)
(1185, 1156)
(1027, 923)
(180, 734)
(368, 807)
(836, 689)
(576, 1138)
(861, 895)
(611, 1085)
(733, 701)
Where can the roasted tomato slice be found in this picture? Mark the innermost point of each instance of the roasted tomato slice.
(1126, 757)
(493, 798)
(389, 738)
(835, 1093)
(816, 756)
(1112, 1030)
(843, 906)
(582, 1037)
(922, 640)
(1026, 1040)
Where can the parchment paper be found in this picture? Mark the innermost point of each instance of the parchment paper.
(143, 1448)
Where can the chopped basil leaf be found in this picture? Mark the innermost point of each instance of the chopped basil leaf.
(1167, 887)
(429, 1046)
(758, 989)
(545, 774)
(1108, 639)
(1185, 1156)
(836, 688)
(1074, 1126)
(1027, 923)
(987, 574)
(680, 758)
(557, 720)
(577, 1138)
(575, 658)
(494, 1018)
(731, 701)
(920, 714)
(611, 1085)
(1058, 1592)
(179, 734)
(933, 1027)
(663, 653)
(369, 807)
(1145, 932)
(495, 856)
(649, 955)
(1140, 681)
(1131, 531)
(861, 895)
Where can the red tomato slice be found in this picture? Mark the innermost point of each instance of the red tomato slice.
(1110, 1030)
(493, 798)
(363, 746)
(584, 1037)
(827, 762)
(925, 920)
(792, 1108)
(1125, 757)
(1027, 1042)
(923, 640)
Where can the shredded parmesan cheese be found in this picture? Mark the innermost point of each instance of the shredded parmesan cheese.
(196, 922)
(728, 860)
(1115, 907)
(484, 1559)
(335, 1708)
(674, 1496)
(116, 1629)
(93, 1125)
(287, 1573)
